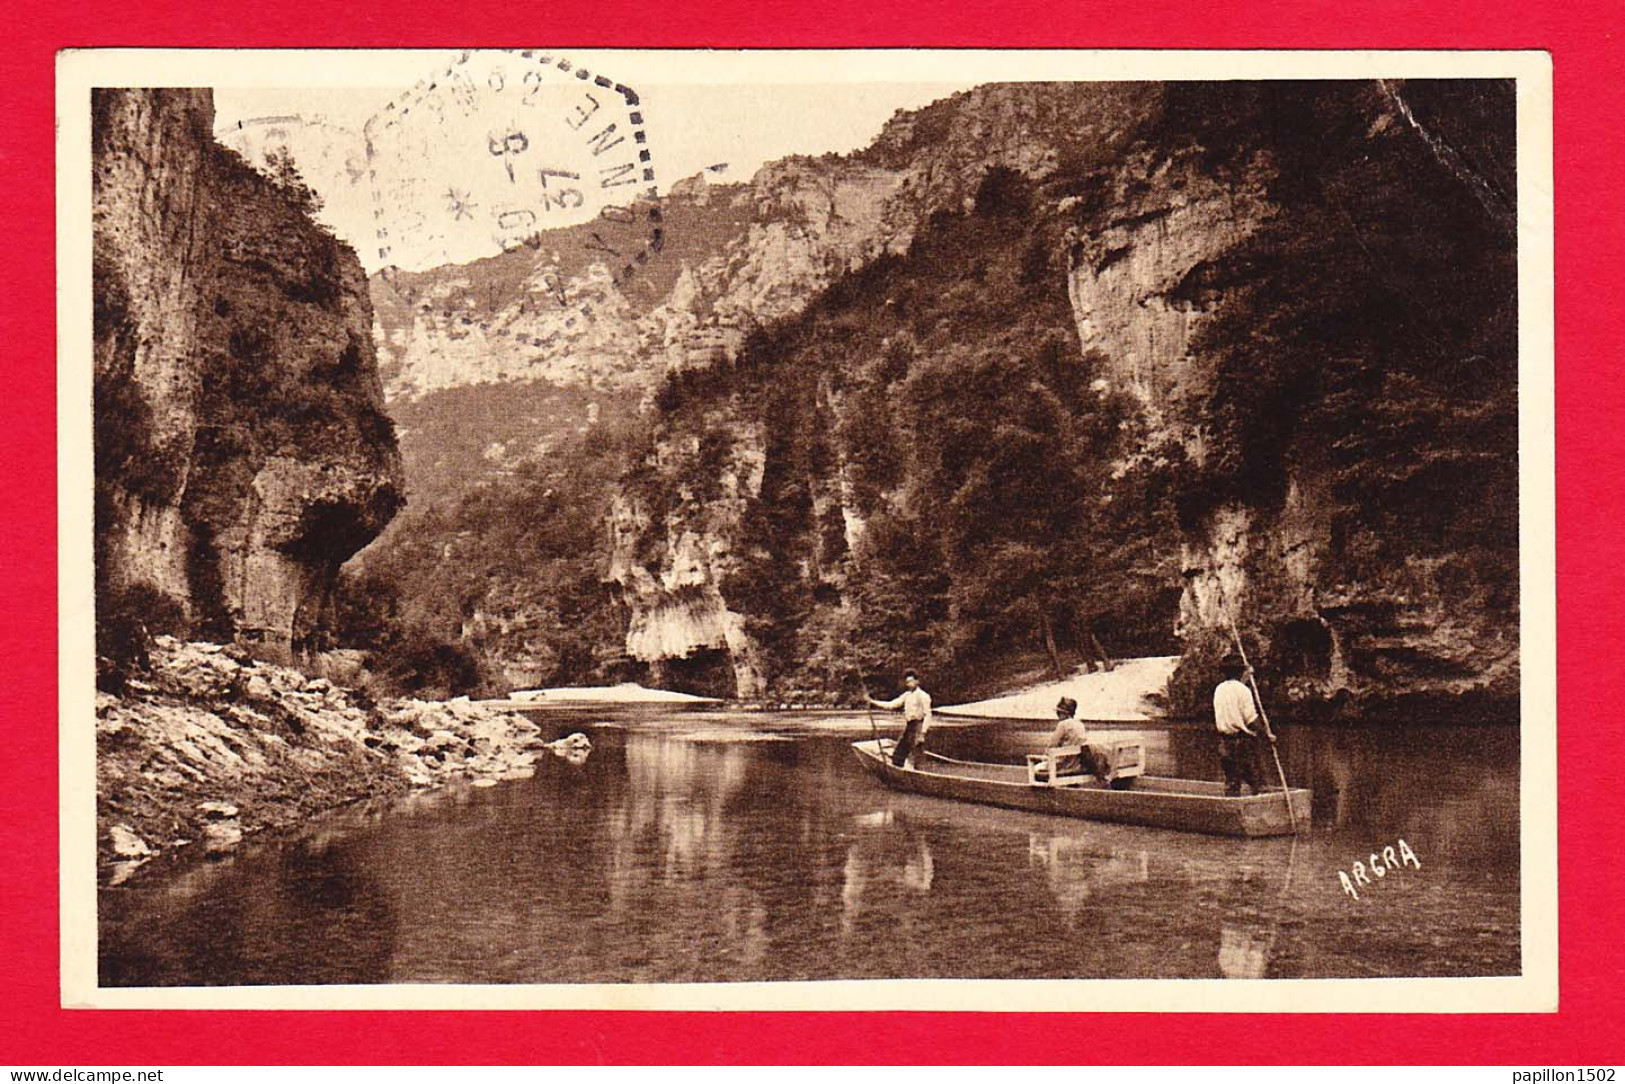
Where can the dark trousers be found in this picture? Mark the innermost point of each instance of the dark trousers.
(906, 744)
(1240, 759)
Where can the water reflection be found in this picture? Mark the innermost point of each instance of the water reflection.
(673, 855)
(887, 860)
(1246, 940)
(1075, 872)
(1244, 950)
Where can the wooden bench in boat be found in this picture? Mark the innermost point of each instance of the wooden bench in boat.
(1127, 760)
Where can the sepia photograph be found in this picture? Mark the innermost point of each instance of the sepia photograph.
(635, 526)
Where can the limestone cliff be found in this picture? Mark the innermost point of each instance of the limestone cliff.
(735, 257)
(669, 561)
(1045, 366)
(1323, 317)
(242, 451)
(484, 363)
(1307, 295)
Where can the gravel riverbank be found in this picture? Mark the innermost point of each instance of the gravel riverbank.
(211, 745)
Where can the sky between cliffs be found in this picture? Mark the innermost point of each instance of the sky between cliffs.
(726, 130)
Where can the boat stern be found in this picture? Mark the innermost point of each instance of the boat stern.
(873, 755)
(1266, 815)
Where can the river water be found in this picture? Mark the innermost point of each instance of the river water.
(726, 847)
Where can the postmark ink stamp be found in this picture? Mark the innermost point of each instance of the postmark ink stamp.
(487, 154)
(308, 150)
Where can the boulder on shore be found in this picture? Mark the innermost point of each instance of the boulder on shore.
(571, 743)
(126, 844)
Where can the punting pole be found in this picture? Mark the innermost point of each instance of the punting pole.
(1286, 791)
(873, 730)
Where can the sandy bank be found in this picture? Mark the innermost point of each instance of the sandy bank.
(1123, 695)
(626, 693)
(211, 745)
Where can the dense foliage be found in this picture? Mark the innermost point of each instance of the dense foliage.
(503, 587)
(456, 439)
(1380, 311)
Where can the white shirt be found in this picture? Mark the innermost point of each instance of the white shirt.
(1233, 708)
(916, 704)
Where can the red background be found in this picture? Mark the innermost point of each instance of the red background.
(1589, 83)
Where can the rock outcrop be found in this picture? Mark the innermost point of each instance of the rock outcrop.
(668, 566)
(1326, 326)
(208, 746)
(242, 451)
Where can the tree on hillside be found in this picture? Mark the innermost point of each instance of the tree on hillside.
(283, 171)
(899, 591)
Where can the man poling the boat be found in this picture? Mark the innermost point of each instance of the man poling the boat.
(915, 703)
(1234, 713)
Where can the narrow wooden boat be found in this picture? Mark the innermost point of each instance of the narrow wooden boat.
(1186, 805)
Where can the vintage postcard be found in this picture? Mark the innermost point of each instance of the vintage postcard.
(872, 529)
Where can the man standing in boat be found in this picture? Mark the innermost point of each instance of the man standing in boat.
(1234, 713)
(916, 705)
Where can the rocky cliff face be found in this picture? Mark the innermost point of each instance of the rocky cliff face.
(544, 324)
(735, 257)
(1164, 217)
(1323, 316)
(242, 451)
(1308, 294)
(1252, 344)
(669, 561)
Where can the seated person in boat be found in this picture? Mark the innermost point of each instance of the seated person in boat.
(1234, 713)
(915, 703)
(1070, 731)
